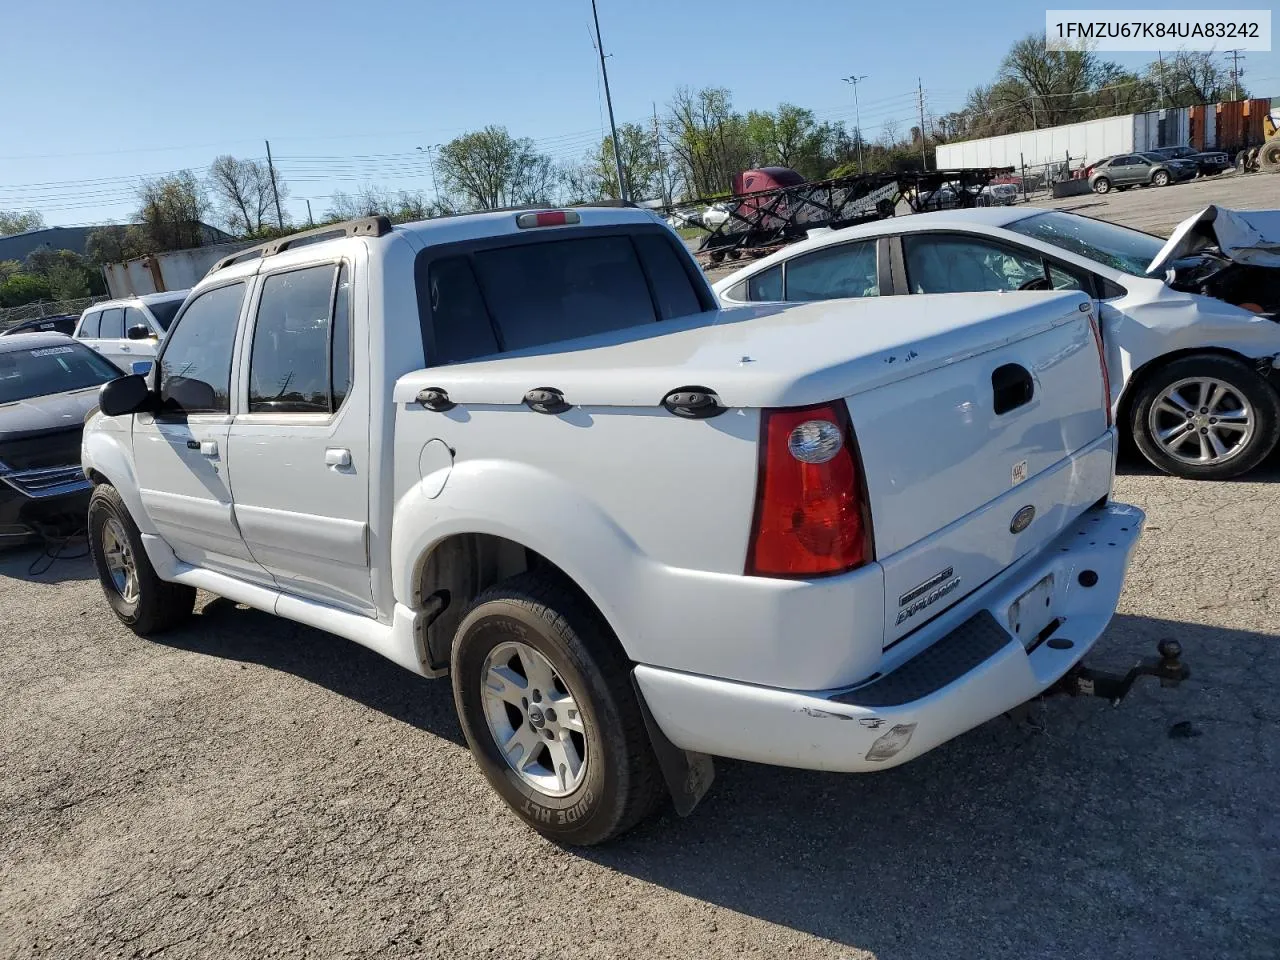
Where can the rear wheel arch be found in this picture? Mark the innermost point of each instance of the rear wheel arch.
(455, 570)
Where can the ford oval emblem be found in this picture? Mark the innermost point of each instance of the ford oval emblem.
(1022, 519)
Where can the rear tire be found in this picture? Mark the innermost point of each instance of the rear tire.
(540, 682)
(1269, 156)
(1101, 185)
(1205, 417)
(143, 602)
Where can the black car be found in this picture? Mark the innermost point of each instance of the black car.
(48, 385)
(1210, 162)
(64, 323)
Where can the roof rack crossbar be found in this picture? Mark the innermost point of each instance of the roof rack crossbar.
(364, 227)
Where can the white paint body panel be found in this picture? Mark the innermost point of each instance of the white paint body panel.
(650, 514)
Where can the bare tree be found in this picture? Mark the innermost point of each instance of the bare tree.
(403, 206)
(1057, 83)
(489, 168)
(243, 191)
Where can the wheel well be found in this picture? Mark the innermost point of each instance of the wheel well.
(98, 478)
(456, 571)
(1145, 371)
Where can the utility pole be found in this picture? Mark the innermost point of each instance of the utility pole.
(613, 128)
(310, 219)
(1236, 74)
(924, 163)
(275, 191)
(431, 165)
(1160, 60)
(662, 158)
(857, 113)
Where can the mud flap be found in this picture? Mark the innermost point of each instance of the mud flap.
(688, 775)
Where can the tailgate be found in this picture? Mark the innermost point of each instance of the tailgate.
(954, 455)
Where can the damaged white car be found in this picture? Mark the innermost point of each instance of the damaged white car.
(1191, 325)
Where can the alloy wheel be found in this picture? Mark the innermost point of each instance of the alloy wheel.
(118, 557)
(534, 719)
(1201, 420)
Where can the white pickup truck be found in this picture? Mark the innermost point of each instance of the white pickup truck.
(526, 450)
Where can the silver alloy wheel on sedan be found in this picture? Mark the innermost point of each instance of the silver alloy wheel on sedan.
(119, 559)
(534, 719)
(1201, 420)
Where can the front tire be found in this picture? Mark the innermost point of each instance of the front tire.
(1160, 178)
(543, 692)
(1101, 185)
(1205, 417)
(141, 600)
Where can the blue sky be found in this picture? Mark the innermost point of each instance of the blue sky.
(101, 93)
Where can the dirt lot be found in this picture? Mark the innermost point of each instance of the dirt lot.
(251, 788)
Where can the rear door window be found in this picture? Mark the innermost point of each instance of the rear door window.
(847, 270)
(164, 311)
(112, 324)
(500, 298)
(89, 328)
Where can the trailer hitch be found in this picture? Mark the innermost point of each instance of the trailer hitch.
(1168, 668)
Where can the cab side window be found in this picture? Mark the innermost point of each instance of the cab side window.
(195, 367)
(301, 357)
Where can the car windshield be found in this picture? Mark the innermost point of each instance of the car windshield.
(41, 371)
(164, 311)
(1106, 243)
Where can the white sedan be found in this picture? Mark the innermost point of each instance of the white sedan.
(1192, 373)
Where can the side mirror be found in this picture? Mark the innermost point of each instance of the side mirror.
(124, 395)
(139, 331)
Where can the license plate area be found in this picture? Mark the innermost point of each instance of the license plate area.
(1032, 612)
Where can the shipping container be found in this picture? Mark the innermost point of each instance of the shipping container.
(175, 270)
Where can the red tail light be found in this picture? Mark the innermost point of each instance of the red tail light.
(1102, 360)
(812, 516)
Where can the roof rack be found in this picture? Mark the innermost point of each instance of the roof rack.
(364, 227)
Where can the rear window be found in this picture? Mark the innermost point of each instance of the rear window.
(164, 311)
(496, 299)
(41, 371)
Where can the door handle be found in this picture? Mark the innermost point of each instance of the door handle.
(126, 349)
(209, 448)
(337, 457)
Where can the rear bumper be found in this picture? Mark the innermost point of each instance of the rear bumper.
(976, 671)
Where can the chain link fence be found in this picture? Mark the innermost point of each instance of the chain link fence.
(10, 316)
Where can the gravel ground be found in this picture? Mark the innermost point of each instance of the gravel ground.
(1159, 209)
(253, 788)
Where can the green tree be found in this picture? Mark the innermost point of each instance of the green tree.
(22, 288)
(596, 177)
(172, 211)
(790, 136)
(15, 221)
(115, 243)
(8, 268)
(67, 282)
(708, 140)
(488, 168)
